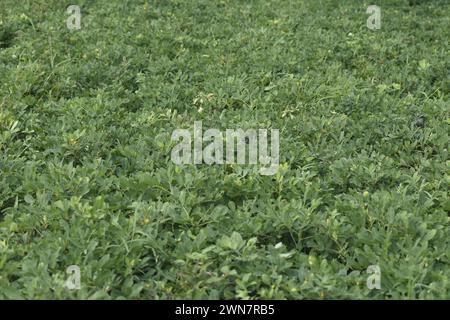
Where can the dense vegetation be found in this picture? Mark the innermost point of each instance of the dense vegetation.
(86, 177)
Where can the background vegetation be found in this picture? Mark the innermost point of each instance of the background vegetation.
(86, 177)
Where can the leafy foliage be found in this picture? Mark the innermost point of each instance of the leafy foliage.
(85, 171)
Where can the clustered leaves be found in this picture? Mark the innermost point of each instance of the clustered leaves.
(86, 177)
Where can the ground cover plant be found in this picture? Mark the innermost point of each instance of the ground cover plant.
(86, 177)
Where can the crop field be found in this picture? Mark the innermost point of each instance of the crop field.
(357, 208)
